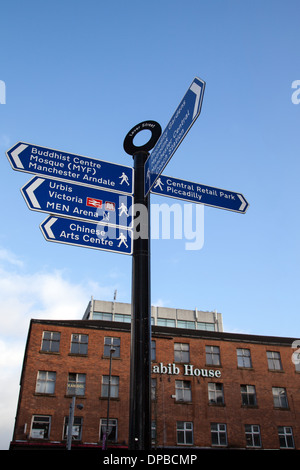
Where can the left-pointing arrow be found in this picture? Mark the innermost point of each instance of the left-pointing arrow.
(48, 225)
(15, 155)
(30, 192)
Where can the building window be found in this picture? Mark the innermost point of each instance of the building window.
(186, 324)
(185, 433)
(102, 316)
(112, 431)
(183, 390)
(248, 395)
(213, 355)
(50, 341)
(205, 326)
(166, 322)
(274, 361)
(76, 384)
(123, 318)
(181, 352)
(45, 382)
(153, 389)
(286, 440)
(114, 386)
(153, 350)
(218, 434)
(112, 342)
(79, 344)
(252, 432)
(153, 432)
(244, 358)
(215, 393)
(76, 428)
(40, 427)
(280, 397)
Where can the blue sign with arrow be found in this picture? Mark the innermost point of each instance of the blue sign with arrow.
(87, 235)
(53, 163)
(178, 127)
(78, 202)
(200, 193)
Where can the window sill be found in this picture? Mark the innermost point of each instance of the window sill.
(113, 358)
(49, 352)
(249, 406)
(78, 355)
(182, 402)
(50, 395)
(111, 398)
(39, 439)
(79, 397)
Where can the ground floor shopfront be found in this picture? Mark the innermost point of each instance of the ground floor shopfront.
(210, 390)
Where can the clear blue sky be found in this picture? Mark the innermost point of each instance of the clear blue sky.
(79, 75)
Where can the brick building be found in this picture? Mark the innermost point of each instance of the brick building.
(210, 389)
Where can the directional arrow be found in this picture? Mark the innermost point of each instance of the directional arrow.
(87, 235)
(47, 227)
(15, 156)
(65, 166)
(182, 120)
(31, 192)
(197, 90)
(78, 202)
(201, 194)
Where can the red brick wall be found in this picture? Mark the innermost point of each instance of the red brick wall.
(165, 409)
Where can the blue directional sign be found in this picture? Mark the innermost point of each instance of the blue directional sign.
(53, 163)
(178, 127)
(78, 202)
(87, 234)
(200, 193)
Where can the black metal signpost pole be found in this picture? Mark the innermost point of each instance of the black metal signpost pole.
(140, 403)
(140, 352)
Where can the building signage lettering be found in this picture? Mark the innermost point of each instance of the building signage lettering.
(188, 369)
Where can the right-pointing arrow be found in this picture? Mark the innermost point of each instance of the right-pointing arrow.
(197, 90)
(243, 201)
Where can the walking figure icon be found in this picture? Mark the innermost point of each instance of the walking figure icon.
(124, 179)
(123, 210)
(123, 240)
(159, 184)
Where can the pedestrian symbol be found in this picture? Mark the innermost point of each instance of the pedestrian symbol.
(123, 210)
(123, 240)
(124, 178)
(159, 184)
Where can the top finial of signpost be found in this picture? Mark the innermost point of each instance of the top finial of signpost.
(152, 126)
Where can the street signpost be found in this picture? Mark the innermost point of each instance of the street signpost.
(60, 165)
(87, 235)
(182, 120)
(200, 194)
(78, 202)
(91, 206)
